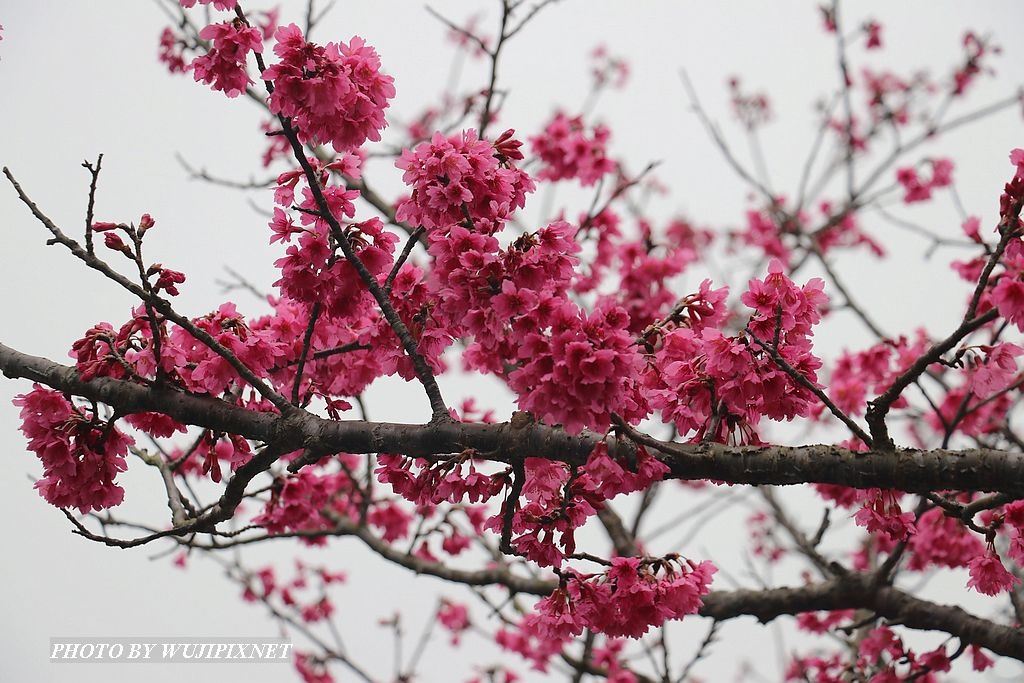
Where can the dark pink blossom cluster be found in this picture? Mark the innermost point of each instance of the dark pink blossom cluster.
(941, 541)
(916, 188)
(334, 94)
(207, 372)
(264, 585)
(496, 295)
(752, 109)
(210, 452)
(628, 598)
(557, 501)
(997, 371)
(584, 368)
(462, 180)
(975, 50)
(532, 640)
(311, 669)
(454, 617)
(763, 542)
(985, 417)
(304, 502)
(567, 150)
(881, 657)
(856, 374)
(171, 52)
(843, 231)
(451, 480)
(223, 65)
(1007, 295)
(81, 454)
(823, 622)
(988, 575)
(883, 517)
(645, 278)
(314, 270)
(873, 30)
(713, 385)
(410, 295)
(218, 4)
(889, 96)
(763, 232)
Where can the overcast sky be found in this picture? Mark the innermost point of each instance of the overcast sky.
(81, 79)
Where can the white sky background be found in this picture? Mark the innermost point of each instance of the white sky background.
(82, 78)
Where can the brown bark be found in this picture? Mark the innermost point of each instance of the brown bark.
(911, 470)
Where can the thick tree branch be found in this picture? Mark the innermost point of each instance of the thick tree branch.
(912, 470)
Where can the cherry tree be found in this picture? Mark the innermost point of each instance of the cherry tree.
(662, 371)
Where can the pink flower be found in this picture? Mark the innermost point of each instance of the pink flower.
(874, 31)
(585, 368)
(988, 575)
(224, 64)
(914, 189)
(998, 371)
(568, 152)
(1008, 296)
(1017, 158)
(979, 660)
(454, 617)
(171, 52)
(218, 4)
(881, 515)
(942, 173)
(333, 94)
(81, 455)
(460, 180)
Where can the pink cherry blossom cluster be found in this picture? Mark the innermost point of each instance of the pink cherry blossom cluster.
(314, 270)
(452, 480)
(558, 501)
(823, 622)
(916, 189)
(626, 599)
(843, 231)
(1007, 295)
(265, 586)
(976, 48)
(752, 109)
(587, 366)
(333, 94)
(567, 150)
(941, 541)
(462, 180)
(889, 96)
(714, 386)
(171, 52)
(223, 65)
(873, 30)
(646, 270)
(303, 502)
(883, 517)
(881, 657)
(574, 367)
(608, 69)
(763, 232)
(210, 452)
(856, 374)
(218, 4)
(81, 454)
(454, 617)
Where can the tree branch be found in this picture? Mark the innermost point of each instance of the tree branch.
(912, 470)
